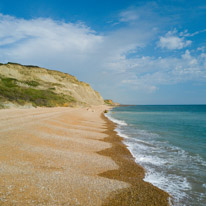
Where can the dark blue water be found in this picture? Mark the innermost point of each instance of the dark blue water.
(170, 143)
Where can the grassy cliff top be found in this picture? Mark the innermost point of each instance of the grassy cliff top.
(12, 91)
(22, 84)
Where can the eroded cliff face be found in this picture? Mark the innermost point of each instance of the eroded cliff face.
(110, 102)
(33, 78)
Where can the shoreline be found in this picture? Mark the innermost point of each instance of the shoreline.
(140, 192)
(68, 156)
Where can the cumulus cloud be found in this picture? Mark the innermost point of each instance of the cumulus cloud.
(172, 41)
(73, 47)
(149, 73)
(103, 60)
(29, 39)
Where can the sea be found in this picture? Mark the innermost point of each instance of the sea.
(170, 143)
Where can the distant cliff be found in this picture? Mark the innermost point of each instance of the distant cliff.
(36, 86)
(110, 102)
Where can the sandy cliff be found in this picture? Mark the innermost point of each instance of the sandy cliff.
(27, 79)
(110, 102)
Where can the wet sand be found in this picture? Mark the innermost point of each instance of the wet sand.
(68, 156)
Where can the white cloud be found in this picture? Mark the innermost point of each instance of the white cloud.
(172, 41)
(101, 60)
(149, 73)
(202, 48)
(128, 15)
(69, 45)
(25, 38)
(186, 33)
(145, 15)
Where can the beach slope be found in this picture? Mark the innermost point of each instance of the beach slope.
(66, 156)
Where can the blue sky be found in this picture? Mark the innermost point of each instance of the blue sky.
(134, 52)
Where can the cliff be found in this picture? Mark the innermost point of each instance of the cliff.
(110, 102)
(24, 85)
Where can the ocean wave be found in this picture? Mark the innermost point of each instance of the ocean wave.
(119, 122)
(173, 184)
(151, 159)
(146, 133)
(170, 167)
(121, 134)
(141, 150)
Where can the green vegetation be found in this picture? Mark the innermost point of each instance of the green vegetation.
(1, 106)
(14, 63)
(9, 82)
(11, 91)
(108, 102)
(32, 83)
(31, 66)
(56, 84)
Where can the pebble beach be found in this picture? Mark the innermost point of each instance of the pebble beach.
(68, 156)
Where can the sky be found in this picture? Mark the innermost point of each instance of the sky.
(134, 52)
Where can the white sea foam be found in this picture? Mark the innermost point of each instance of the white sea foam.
(121, 134)
(166, 166)
(201, 161)
(140, 150)
(160, 179)
(119, 122)
(139, 147)
(151, 159)
(173, 184)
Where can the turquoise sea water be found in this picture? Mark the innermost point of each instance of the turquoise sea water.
(170, 143)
